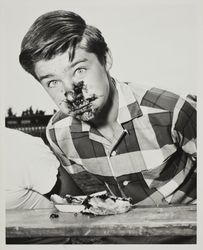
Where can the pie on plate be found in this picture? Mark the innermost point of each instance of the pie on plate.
(97, 204)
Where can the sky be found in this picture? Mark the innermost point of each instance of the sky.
(152, 43)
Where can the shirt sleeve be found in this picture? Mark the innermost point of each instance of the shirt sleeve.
(70, 165)
(53, 138)
(184, 126)
(26, 199)
(43, 168)
(31, 170)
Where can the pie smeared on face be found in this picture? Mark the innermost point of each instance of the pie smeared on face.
(80, 106)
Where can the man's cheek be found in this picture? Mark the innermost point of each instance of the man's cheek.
(56, 99)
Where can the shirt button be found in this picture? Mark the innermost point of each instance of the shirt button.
(125, 183)
(113, 153)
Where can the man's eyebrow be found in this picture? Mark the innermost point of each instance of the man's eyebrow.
(71, 66)
(79, 61)
(45, 76)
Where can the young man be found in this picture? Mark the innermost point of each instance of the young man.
(141, 143)
(33, 172)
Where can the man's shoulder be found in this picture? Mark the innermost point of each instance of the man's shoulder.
(58, 124)
(58, 116)
(59, 120)
(154, 97)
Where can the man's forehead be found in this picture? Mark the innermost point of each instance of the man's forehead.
(62, 61)
(78, 54)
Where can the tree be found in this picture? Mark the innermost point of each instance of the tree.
(31, 111)
(10, 112)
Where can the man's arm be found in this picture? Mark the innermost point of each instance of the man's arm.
(184, 127)
(64, 185)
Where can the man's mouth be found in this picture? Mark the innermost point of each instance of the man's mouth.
(78, 105)
(83, 108)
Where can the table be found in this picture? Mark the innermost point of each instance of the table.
(142, 221)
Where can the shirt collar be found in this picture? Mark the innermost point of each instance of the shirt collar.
(129, 109)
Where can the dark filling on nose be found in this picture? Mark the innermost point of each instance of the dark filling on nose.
(76, 98)
(78, 87)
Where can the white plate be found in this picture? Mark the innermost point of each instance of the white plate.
(69, 208)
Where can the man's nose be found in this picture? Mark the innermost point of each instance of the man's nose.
(68, 88)
(70, 96)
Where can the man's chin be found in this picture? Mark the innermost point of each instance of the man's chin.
(93, 117)
(86, 116)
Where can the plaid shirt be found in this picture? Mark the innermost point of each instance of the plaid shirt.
(154, 163)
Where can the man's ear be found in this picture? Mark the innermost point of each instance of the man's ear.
(109, 61)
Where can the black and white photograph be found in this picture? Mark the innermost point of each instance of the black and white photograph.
(99, 106)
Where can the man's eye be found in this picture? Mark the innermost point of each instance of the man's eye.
(80, 71)
(53, 84)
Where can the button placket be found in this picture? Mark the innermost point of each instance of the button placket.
(114, 176)
(113, 150)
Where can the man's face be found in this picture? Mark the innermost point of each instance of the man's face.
(79, 88)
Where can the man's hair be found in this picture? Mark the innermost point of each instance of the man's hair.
(55, 32)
